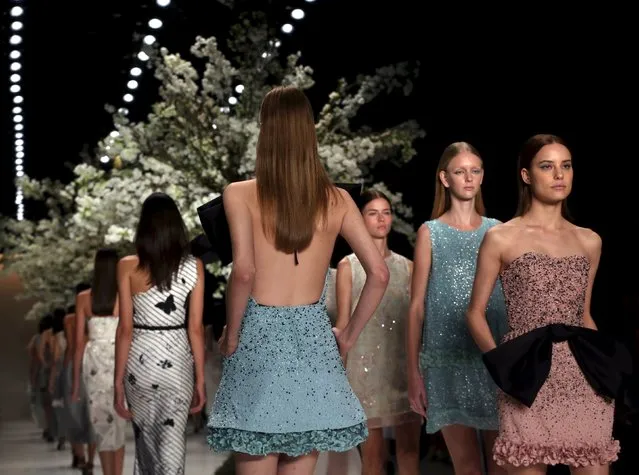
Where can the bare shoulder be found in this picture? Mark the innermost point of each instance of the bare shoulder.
(589, 239)
(239, 188)
(423, 233)
(129, 262)
(344, 264)
(84, 295)
(344, 199)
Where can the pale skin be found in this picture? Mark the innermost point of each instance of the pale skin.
(132, 281)
(378, 219)
(541, 230)
(462, 179)
(271, 278)
(111, 461)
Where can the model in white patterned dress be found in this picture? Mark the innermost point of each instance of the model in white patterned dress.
(160, 348)
(97, 311)
(160, 377)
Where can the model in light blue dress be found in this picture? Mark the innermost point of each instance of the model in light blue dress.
(285, 389)
(459, 389)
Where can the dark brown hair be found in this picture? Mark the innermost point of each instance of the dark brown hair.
(369, 195)
(104, 288)
(293, 187)
(161, 239)
(528, 152)
(441, 203)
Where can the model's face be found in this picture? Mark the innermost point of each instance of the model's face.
(550, 174)
(463, 176)
(378, 218)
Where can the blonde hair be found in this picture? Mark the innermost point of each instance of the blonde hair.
(441, 204)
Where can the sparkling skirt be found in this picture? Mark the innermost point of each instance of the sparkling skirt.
(285, 389)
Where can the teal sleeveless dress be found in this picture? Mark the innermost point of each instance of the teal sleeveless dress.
(459, 389)
(285, 388)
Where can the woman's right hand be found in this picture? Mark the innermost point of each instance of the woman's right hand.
(417, 393)
(119, 402)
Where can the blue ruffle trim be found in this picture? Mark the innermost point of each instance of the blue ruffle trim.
(292, 444)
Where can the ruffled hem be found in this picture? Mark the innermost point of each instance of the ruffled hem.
(292, 444)
(578, 455)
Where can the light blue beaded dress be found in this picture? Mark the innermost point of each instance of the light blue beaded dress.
(459, 389)
(285, 389)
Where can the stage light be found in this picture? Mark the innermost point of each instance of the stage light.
(297, 14)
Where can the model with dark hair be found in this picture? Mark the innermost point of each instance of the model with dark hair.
(159, 363)
(284, 393)
(448, 383)
(376, 365)
(547, 267)
(97, 310)
(79, 428)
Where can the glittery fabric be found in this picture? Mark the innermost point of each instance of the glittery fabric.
(285, 389)
(568, 423)
(376, 365)
(459, 389)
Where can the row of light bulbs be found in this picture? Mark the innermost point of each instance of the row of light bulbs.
(155, 23)
(136, 71)
(15, 79)
(296, 14)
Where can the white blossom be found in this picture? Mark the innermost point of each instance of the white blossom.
(190, 147)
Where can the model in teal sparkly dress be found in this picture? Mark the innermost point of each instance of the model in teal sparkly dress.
(459, 389)
(448, 382)
(284, 394)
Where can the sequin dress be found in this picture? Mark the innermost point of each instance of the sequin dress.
(568, 423)
(160, 376)
(459, 389)
(285, 389)
(98, 372)
(376, 365)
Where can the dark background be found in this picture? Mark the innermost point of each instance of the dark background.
(492, 76)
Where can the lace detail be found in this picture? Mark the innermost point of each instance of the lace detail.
(577, 455)
(292, 444)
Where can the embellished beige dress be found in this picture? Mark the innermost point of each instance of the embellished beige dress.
(376, 365)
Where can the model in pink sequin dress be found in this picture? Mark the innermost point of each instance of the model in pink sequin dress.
(568, 423)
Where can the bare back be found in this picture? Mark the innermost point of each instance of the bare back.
(278, 280)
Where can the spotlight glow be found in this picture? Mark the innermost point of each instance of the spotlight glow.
(287, 28)
(155, 23)
(297, 14)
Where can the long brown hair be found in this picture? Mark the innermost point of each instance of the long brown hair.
(528, 152)
(293, 188)
(104, 289)
(441, 204)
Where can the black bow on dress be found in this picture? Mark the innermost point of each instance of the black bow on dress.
(520, 366)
